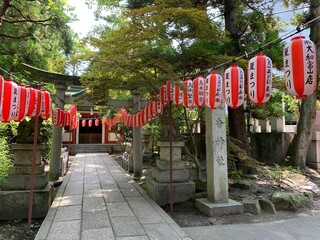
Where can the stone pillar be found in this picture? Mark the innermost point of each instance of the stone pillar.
(57, 137)
(136, 140)
(277, 124)
(265, 126)
(158, 186)
(218, 202)
(257, 126)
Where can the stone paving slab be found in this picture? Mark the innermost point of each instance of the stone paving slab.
(303, 228)
(99, 200)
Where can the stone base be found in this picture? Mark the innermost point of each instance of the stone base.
(22, 182)
(23, 154)
(26, 170)
(163, 176)
(15, 204)
(160, 192)
(146, 156)
(218, 209)
(165, 165)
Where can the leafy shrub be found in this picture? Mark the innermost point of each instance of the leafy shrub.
(5, 157)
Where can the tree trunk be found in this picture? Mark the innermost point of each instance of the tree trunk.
(237, 128)
(237, 125)
(298, 149)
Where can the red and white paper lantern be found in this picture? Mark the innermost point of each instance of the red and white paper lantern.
(134, 120)
(129, 120)
(163, 95)
(31, 100)
(83, 123)
(234, 86)
(21, 106)
(37, 105)
(142, 117)
(68, 118)
(188, 98)
(63, 119)
(90, 123)
(96, 122)
(74, 120)
(199, 86)
(1, 92)
(45, 105)
(213, 90)
(159, 107)
(300, 67)
(57, 112)
(9, 103)
(153, 107)
(259, 79)
(147, 113)
(177, 95)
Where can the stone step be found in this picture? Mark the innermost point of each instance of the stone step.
(92, 148)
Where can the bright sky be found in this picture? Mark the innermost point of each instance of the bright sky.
(87, 20)
(85, 15)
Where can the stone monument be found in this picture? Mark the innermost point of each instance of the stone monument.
(15, 191)
(158, 186)
(218, 202)
(146, 135)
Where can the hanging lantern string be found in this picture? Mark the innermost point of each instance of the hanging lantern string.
(269, 44)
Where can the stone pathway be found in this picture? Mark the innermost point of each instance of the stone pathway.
(98, 200)
(304, 228)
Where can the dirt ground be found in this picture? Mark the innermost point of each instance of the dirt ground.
(262, 184)
(19, 229)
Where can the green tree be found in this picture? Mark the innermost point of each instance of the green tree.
(34, 32)
(155, 43)
(298, 149)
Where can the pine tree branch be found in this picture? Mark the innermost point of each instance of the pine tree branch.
(3, 9)
(15, 37)
(43, 21)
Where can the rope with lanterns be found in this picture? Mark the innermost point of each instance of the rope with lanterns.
(19, 101)
(300, 72)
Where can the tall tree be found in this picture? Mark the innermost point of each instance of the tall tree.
(236, 118)
(243, 28)
(298, 149)
(162, 41)
(35, 32)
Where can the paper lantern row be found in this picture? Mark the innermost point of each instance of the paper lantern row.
(145, 115)
(18, 101)
(64, 118)
(299, 58)
(137, 120)
(90, 122)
